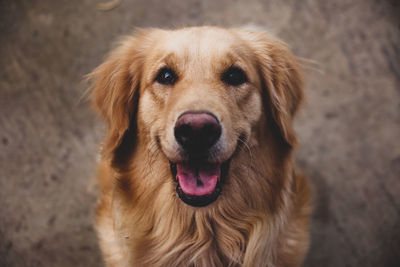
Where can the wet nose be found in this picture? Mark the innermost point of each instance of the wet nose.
(197, 132)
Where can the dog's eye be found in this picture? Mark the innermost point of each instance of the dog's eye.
(234, 76)
(166, 76)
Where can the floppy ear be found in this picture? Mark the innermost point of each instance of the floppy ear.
(114, 92)
(281, 78)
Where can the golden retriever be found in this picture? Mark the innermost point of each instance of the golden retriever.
(197, 167)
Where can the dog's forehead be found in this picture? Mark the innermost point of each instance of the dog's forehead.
(191, 43)
(202, 38)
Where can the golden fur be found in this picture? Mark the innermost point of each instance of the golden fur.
(261, 217)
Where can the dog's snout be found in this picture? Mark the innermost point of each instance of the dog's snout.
(197, 132)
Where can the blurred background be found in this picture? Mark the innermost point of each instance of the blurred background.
(349, 128)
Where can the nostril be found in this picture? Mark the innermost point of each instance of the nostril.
(211, 133)
(197, 131)
(183, 133)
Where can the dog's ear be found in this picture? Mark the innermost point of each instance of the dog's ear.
(281, 79)
(114, 91)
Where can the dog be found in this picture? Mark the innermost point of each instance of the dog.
(197, 166)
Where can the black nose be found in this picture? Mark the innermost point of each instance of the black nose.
(197, 132)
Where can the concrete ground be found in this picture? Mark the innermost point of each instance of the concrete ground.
(349, 128)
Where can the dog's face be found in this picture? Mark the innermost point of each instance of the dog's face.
(199, 100)
(198, 94)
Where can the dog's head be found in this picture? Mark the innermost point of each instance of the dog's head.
(198, 95)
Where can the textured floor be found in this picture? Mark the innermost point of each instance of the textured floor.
(349, 127)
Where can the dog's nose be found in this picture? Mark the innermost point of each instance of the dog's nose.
(197, 132)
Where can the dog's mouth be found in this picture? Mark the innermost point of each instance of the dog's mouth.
(199, 184)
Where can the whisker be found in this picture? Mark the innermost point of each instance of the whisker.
(250, 166)
(247, 147)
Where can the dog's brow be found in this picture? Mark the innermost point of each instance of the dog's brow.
(166, 61)
(233, 60)
(169, 58)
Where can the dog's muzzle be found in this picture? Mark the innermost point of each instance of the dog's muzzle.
(198, 181)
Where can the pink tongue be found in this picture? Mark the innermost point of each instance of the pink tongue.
(198, 182)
